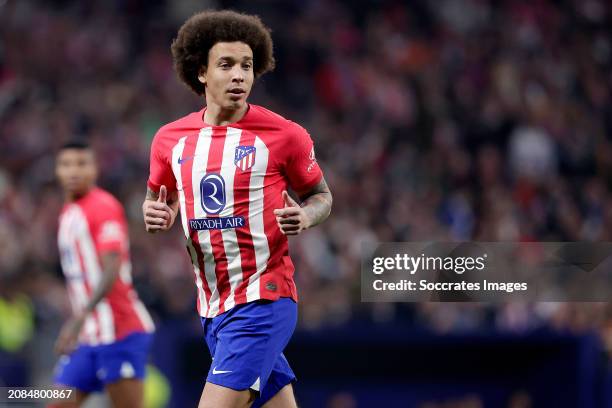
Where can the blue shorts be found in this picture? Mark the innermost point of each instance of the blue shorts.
(90, 368)
(246, 344)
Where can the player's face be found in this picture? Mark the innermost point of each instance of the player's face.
(76, 170)
(229, 75)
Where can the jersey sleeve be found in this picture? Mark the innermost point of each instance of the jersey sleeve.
(160, 166)
(110, 229)
(301, 167)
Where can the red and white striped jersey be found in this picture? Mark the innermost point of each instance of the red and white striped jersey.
(89, 227)
(229, 181)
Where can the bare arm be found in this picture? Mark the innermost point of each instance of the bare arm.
(317, 203)
(314, 209)
(111, 263)
(159, 209)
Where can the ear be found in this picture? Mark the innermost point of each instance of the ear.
(202, 76)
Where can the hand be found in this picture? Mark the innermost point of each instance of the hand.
(158, 215)
(69, 335)
(292, 219)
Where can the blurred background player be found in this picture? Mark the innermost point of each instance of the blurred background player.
(110, 324)
(228, 167)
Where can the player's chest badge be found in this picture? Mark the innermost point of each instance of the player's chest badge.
(244, 158)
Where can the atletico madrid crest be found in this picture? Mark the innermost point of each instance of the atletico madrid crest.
(244, 158)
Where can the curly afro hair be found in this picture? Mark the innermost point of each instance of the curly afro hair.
(203, 30)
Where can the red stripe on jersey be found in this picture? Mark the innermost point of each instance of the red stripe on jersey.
(269, 223)
(242, 180)
(118, 302)
(215, 158)
(186, 172)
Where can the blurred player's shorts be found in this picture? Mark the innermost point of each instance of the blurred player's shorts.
(246, 344)
(90, 368)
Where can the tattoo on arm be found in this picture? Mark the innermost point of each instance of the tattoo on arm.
(151, 195)
(317, 203)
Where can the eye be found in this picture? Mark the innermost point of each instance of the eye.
(247, 66)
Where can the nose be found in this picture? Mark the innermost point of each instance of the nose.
(237, 74)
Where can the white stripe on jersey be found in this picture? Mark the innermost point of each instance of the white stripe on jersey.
(196, 270)
(125, 272)
(177, 154)
(68, 255)
(90, 329)
(230, 240)
(256, 218)
(107, 323)
(70, 261)
(200, 161)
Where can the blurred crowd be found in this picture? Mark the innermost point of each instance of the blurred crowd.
(447, 120)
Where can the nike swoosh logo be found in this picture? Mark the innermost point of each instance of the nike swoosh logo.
(215, 371)
(183, 160)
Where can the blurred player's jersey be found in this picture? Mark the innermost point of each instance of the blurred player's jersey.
(89, 227)
(229, 180)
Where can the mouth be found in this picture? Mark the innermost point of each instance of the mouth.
(73, 183)
(237, 91)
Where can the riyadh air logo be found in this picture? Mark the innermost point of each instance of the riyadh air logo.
(212, 193)
(244, 157)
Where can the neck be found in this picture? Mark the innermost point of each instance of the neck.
(71, 196)
(218, 116)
